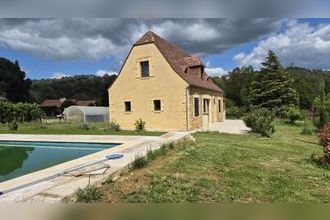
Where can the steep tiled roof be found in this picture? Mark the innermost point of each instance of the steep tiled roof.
(180, 61)
(86, 103)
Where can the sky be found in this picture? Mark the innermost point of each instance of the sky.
(53, 48)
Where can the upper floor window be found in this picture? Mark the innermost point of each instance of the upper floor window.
(157, 105)
(128, 106)
(144, 68)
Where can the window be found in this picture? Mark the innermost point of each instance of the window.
(128, 106)
(206, 105)
(196, 105)
(219, 105)
(157, 105)
(144, 68)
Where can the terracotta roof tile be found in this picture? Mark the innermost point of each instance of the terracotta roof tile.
(86, 103)
(180, 61)
(51, 103)
(56, 102)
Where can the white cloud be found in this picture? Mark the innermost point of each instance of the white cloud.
(301, 44)
(87, 38)
(58, 75)
(216, 71)
(103, 72)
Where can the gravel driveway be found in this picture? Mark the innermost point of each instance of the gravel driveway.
(230, 126)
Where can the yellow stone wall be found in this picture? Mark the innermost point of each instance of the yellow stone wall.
(214, 114)
(163, 84)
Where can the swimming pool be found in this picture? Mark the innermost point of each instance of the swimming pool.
(18, 158)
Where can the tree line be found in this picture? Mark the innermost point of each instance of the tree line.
(274, 86)
(15, 87)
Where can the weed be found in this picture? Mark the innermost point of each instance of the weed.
(139, 162)
(89, 194)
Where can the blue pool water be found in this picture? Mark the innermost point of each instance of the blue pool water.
(18, 158)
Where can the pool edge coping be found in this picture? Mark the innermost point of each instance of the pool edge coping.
(53, 170)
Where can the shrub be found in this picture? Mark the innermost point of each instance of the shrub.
(113, 126)
(280, 111)
(293, 114)
(140, 125)
(233, 112)
(19, 112)
(139, 162)
(260, 121)
(316, 121)
(323, 117)
(309, 128)
(13, 126)
(324, 136)
(89, 194)
(83, 126)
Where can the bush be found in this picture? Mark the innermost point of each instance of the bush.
(316, 121)
(84, 126)
(260, 121)
(309, 128)
(280, 111)
(13, 126)
(89, 194)
(233, 112)
(20, 112)
(113, 126)
(324, 136)
(140, 125)
(139, 162)
(293, 114)
(323, 117)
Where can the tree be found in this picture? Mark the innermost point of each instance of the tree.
(323, 112)
(271, 87)
(13, 83)
(66, 104)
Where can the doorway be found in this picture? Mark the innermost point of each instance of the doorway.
(206, 113)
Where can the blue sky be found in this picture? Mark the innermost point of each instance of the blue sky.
(30, 42)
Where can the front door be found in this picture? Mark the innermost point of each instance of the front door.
(206, 113)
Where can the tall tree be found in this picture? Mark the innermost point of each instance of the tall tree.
(271, 87)
(13, 83)
(235, 85)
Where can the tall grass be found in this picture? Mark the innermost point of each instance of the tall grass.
(142, 161)
(89, 194)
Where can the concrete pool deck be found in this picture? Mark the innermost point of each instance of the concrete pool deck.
(52, 185)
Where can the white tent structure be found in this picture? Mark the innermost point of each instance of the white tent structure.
(86, 114)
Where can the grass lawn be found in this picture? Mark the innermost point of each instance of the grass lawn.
(230, 168)
(70, 128)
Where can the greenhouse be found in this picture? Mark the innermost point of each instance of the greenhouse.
(86, 114)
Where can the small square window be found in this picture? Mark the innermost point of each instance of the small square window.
(157, 105)
(196, 105)
(144, 68)
(128, 106)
